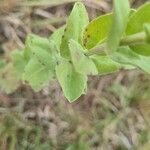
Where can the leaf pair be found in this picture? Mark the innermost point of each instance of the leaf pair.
(113, 27)
(36, 62)
(74, 28)
(109, 28)
(73, 69)
(73, 83)
(72, 76)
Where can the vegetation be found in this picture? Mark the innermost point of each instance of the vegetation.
(115, 111)
(72, 53)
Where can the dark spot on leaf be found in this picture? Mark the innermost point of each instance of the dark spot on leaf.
(65, 30)
(26, 82)
(63, 36)
(70, 62)
(88, 36)
(85, 41)
(41, 63)
(86, 29)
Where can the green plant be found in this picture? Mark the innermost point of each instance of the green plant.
(110, 42)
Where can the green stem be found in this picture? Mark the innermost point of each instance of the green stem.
(134, 39)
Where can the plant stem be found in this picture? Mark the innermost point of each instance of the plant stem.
(134, 39)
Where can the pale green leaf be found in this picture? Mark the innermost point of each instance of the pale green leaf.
(105, 65)
(73, 84)
(125, 55)
(57, 36)
(135, 25)
(97, 30)
(82, 63)
(75, 26)
(33, 41)
(37, 75)
(19, 61)
(138, 19)
(44, 58)
(37, 41)
(119, 22)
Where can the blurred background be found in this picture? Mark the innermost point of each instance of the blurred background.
(113, 115)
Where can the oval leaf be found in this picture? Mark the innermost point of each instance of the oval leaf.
(137, 19)
(75, 26)
(37, 75)
(57, 36)
(125, 55)
(82, 63)
(97, 30)
(105, 65)
(73, 84)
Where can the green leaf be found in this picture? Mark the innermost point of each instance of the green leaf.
(37, 75)
(73, 84)
(9, 79)
(125, 55)
(138, 19)
(44, 58)
(37, 41)
(19, 61)
(105, 65)
(119, 23)
(32, 42)
(42, 55)
(43, 50)
(57, 36)
(75, 26)
(135, 25)
(97, 30)
(82, 63)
